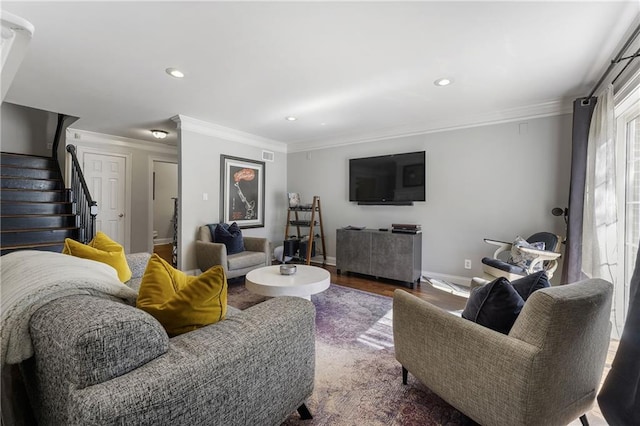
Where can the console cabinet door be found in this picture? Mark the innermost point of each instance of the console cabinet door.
(353, 251)
(392, 256)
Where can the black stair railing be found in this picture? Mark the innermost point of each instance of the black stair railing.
(86, 208)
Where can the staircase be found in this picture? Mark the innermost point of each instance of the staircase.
(35, 209)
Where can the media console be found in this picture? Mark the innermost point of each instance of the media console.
(382, 254)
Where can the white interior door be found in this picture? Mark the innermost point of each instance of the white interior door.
(106, 178)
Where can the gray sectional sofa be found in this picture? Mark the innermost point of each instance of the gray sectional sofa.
(100, 362)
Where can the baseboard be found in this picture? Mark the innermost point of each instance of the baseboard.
(330, 260)
(456, 279)
(160, 241)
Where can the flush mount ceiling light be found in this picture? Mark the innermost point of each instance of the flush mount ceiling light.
(159, 134)
(443, 82)
(290, 118)
(174, 72)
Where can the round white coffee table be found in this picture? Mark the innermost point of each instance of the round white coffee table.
(308, 280)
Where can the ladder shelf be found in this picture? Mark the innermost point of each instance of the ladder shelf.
(315, 220)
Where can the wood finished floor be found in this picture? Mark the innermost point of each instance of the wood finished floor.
(383, 287)
(164, 251)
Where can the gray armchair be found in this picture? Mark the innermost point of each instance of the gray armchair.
(546, 371)
(209, 254)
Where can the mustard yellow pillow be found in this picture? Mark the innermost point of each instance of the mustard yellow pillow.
(102, 249)
(180, 302)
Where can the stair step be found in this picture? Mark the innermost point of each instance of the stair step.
(32, 221)
(35, 236)
(56, 246)
(26, 207)
(26, 183)
(54, 195)
(24, 160)
(28, 172)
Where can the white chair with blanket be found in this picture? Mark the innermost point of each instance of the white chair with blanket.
(519, 258)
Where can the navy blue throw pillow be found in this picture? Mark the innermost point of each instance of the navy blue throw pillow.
(230, 237)
(530, 283)
(495, 305)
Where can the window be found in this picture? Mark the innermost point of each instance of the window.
(628, 190)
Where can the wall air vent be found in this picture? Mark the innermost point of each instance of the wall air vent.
(268, 156)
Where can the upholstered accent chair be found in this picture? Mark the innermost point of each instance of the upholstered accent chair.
(546, 371)
(208, 253)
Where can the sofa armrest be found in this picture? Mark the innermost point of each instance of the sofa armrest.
(91, 340)
(468, 365)
(258, 244)
(211, 254)
(255, 367)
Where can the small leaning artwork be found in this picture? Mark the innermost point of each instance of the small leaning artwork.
(242, 191)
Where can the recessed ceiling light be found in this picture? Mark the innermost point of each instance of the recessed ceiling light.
(290, 118)
(174, 72)
(159, 134)
(443, 82)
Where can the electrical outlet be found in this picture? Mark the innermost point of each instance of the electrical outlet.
(467, 264)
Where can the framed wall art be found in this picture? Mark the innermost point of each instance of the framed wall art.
(242, 191)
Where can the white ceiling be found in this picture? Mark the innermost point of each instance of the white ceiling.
(349, 71)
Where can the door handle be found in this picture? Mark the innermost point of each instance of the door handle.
(121, 215)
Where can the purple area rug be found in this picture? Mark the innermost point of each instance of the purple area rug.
(358, 380)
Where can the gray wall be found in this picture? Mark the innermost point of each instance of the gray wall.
(27, 130)
(496, 181)
(199, 171)
(166, 187)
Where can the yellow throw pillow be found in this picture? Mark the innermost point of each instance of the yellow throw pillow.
(180, 302)
(102, 249)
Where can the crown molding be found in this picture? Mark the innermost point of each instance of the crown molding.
(541, 110)
(209, 129)
(86, 136)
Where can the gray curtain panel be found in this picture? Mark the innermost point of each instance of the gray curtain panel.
(619, 398)
(582, 112)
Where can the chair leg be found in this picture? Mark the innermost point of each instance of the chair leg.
(304, 412)
(404, 375)
(583, 420)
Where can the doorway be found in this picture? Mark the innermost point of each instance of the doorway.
(164, 191)
(106, 176)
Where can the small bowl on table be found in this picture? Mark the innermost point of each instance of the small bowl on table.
(287, 269)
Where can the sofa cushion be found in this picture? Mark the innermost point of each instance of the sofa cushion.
(530, 283)
(503, 266)
(495, 305)
(181, 302)
(231, 237)
(102, 249)
(246, 259)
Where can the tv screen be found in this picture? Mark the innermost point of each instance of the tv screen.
(388, 179)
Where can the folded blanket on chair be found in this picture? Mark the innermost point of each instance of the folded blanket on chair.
(30, 279)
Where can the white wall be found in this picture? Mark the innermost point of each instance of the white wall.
(495, 181)
(166, 187)
(199, 173)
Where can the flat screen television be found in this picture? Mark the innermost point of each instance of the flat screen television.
(397, 179)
